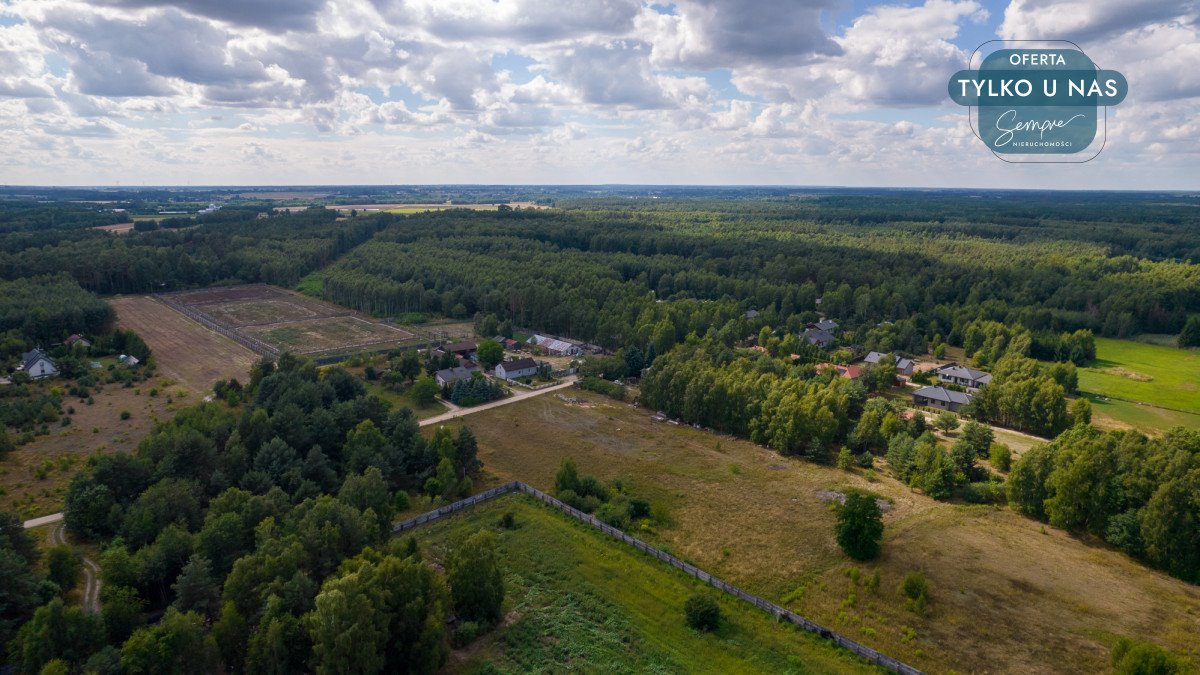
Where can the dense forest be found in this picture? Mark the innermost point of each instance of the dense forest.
(252, 539)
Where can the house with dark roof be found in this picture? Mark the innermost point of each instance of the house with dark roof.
(827, 325)
(952, 373)
(940, 397)
(77, 339)
(463, 350)
(451, 375)
(38, 364)
(511, 370)
(903, 366)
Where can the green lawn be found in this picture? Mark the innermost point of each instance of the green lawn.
(578, 601)
(1153, 374)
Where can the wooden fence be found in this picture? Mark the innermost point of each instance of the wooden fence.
(780, 613)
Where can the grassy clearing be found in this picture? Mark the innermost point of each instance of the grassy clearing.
(34, 477)
(316, 335)
(1112, 413)
(578, 601)
(1136, 371)
(1004, 589)
(257, 311)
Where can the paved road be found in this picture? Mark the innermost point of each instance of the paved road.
(520, 396)
(91, 571)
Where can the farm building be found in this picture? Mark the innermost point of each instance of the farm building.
(952, 373)
(452, 375)
(940, 397)
(38, 364)
(511, 370)
(555, 346)
(79, 340)
(508, 343)
(463, 350)
(903, 366)
(129, 360)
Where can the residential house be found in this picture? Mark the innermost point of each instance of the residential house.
(77, 339)
(452, 375)
(827, 325)
(903, 366)
(511, 370)
(952, 373)
(817, 336)
(38, 364)
(940, 397)
(555, 346)
(848, 372)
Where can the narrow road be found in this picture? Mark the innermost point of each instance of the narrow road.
(44, 520)
(445, 417)
(91, 571)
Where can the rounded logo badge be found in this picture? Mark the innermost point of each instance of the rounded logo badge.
(1035, 101)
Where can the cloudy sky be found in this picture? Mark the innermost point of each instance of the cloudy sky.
(806, 92)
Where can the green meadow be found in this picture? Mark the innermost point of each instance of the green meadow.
(578, 601)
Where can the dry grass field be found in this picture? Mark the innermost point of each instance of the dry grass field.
(1007, 594)
(183, 349)
(328, 333)
(34, 478)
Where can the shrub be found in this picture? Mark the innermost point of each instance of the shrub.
(1000, 456)
(866, 460)
(403, 503)
(1134, 657)
(125, 414)
(508, 521)
(984, 492)
(466, 633)
(915, 588)
(845, 459)
(702, 612)
(614, 514)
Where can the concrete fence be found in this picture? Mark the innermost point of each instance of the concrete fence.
(253, 344)
(780, 613)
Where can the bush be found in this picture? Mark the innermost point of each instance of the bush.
(859, 526)
(1000, 456)
(601, 386)
(702, 612)
(845, 459)
(508, 521)
(915, 588)
(983, 493)
(1134, 657)
(466, 633)
(125, 414)
(402, 502)
(614, 514)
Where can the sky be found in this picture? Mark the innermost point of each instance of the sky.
(778, 92)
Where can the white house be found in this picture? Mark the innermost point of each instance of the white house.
(511, 370)
(38, 364)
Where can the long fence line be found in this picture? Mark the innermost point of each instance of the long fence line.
(780, 613)
(253, 344)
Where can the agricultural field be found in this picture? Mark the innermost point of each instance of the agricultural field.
(1149, 386)
(183, 349)
(575, 596)
(288, 321)
(1004, 589)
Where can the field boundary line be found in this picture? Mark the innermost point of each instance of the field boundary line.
(253, 344)
(780, 613)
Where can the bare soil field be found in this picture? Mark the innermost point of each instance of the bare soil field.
(119, 228)
(183, 349)
(1007, 595)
